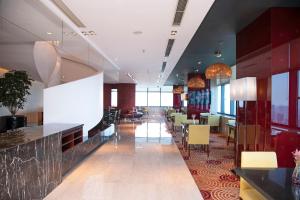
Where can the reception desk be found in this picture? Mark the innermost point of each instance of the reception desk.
(34, 162)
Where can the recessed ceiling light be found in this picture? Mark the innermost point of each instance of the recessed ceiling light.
(218, 54)
(173, 32)
(49, 33)
(137, 32)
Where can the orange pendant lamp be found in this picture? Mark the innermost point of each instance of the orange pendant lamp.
(218, 71)
(196, 83)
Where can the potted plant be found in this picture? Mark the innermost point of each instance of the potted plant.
(14, 86)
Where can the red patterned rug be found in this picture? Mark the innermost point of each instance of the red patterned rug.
(212, 174)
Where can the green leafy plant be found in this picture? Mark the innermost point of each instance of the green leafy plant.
(14, 86)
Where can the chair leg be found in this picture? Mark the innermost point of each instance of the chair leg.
(208, 150)
(189, 150)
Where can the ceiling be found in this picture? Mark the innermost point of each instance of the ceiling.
(22, 22)
(140, 54)
(218, 32)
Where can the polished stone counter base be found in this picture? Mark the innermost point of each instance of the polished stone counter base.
(32, 170)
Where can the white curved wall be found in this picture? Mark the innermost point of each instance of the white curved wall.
(79, 102)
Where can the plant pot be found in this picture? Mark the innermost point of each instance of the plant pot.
(14, 122)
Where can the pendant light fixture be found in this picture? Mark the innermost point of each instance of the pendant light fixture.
(218, 71)
(196, 83)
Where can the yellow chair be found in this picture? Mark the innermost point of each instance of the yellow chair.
(198, 134)
(177, 120)
(214, 121)
(255, 159)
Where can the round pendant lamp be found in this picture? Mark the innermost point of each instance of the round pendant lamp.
(196, 83)
(218, 71)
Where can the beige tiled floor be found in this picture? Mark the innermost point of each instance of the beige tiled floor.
(142, 162)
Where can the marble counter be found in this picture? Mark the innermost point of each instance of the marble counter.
(31, 162)
(28, 134)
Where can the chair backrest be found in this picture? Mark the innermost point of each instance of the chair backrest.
(198, 134)
(183, 117)
(258, 159)
(213, 120)
(178, 119)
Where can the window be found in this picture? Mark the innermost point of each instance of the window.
(227, 103)
(219, 101)
(280, 98)
(141, 99)
(114, 97)
(298, 100)
(224, 104)
(154, 96)
(166, 99)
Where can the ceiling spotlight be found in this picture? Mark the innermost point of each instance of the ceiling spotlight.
(88, 33)
(137, 32)
(49, 33)
(218, 54)
(173, 32)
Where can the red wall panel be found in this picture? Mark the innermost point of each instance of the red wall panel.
(274, 49)
(126, 96)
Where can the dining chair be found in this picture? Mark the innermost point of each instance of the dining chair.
(214, 121)
(184, 125)
(177, 120)
(198, 135)
(255, 159)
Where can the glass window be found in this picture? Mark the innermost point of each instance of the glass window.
(227, 103)
(141, 99)
(219, 100)
(166, 99)
(280, 98)
(114, 97)
(167, 88)
(154, 89)
(298, 101)
(154, 99)
(140, 88)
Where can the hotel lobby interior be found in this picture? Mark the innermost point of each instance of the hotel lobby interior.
(150, 99)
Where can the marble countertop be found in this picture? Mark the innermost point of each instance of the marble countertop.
(28, 134)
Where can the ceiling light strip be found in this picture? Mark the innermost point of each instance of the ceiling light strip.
(163, 67)
(181, 5)
(169, 47)
(65, 9)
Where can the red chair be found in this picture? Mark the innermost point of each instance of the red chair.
(285, 143)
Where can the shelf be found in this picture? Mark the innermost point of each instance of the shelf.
(71, 139)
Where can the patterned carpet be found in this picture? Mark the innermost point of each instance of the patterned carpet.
(212, 174)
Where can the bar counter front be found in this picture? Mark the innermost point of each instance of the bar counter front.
(33, 162)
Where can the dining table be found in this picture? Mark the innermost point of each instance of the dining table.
(273, 184)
